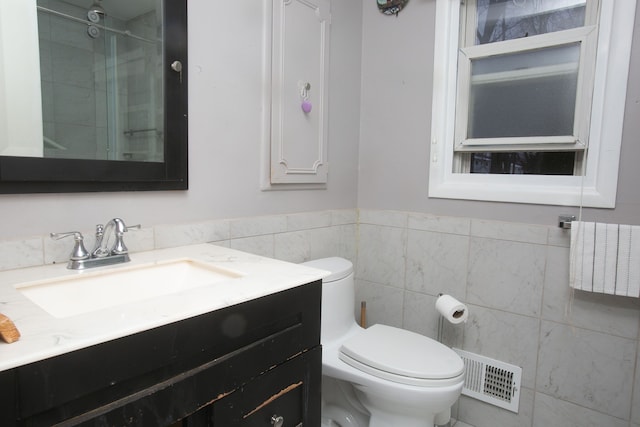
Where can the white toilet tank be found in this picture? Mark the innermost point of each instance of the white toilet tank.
(338, 297)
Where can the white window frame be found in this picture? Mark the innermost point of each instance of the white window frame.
(585, 36)
(598, 186)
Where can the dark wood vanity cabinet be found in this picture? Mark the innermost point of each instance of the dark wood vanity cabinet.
(254, 364)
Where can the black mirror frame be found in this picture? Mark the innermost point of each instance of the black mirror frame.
(41, 175)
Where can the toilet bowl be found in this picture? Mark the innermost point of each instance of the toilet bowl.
(386, 376)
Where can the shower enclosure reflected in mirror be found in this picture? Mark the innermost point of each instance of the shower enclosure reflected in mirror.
(114, 98)
(101, 77)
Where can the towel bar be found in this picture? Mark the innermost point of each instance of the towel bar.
(564, 221)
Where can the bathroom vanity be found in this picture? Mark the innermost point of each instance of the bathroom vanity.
(251, 356)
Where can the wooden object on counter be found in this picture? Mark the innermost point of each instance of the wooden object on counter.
(8, 331)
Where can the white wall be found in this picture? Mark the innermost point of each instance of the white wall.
(225, 134)
(397, 64)
(388, 113)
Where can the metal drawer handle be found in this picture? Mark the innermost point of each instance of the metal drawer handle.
(277, 421)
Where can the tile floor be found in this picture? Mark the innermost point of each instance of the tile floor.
(455, 423)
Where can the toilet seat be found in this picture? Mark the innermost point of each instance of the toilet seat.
(402, 356)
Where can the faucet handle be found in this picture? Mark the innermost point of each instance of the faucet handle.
(79, 251)
(58, 236)
(119, 248)
(129, 227)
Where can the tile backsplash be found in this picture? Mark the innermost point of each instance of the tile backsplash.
(579, 352)
(291, 237)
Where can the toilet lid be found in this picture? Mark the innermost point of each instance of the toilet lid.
(401, 352)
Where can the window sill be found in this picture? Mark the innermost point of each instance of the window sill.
(542, 190)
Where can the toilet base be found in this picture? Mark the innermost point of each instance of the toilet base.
(422, 408)
(340, 406)
(443, 418)
(384, 420)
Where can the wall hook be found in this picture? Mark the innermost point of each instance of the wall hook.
(304, 94)
(391, 7)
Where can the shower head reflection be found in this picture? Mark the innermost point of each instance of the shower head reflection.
(96, 7)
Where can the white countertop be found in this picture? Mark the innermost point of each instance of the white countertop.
(44, 336)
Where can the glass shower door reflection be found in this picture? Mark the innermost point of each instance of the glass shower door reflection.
(101, 71)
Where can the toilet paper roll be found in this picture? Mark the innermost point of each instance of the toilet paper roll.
(451, 309)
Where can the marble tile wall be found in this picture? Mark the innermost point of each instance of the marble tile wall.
(579, 352)
(293, 237)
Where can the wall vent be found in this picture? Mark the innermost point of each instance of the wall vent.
(491, 381)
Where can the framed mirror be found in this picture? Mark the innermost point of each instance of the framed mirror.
(111, 114)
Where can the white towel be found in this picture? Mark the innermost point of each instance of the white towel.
(581, 256)
(599, 257)
(633, 289)
(605, 258)
(610, 257)
(624, 258)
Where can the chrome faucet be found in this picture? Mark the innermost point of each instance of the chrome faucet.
(101, 254)
(116, 228)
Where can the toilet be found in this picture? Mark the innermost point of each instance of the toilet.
(381, 376)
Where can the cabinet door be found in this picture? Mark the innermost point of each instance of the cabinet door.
(289, 391)
(8, 402)
(299, 91)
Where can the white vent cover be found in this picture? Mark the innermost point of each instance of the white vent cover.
(491, 381)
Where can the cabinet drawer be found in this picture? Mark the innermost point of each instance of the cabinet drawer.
(289, 391)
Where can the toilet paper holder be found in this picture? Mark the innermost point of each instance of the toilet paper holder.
(458, 313)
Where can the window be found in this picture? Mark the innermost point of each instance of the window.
(520, 111)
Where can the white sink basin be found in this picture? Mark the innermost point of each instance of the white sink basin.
(94, 290)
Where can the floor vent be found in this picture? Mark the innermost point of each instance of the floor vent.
(491, 381)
